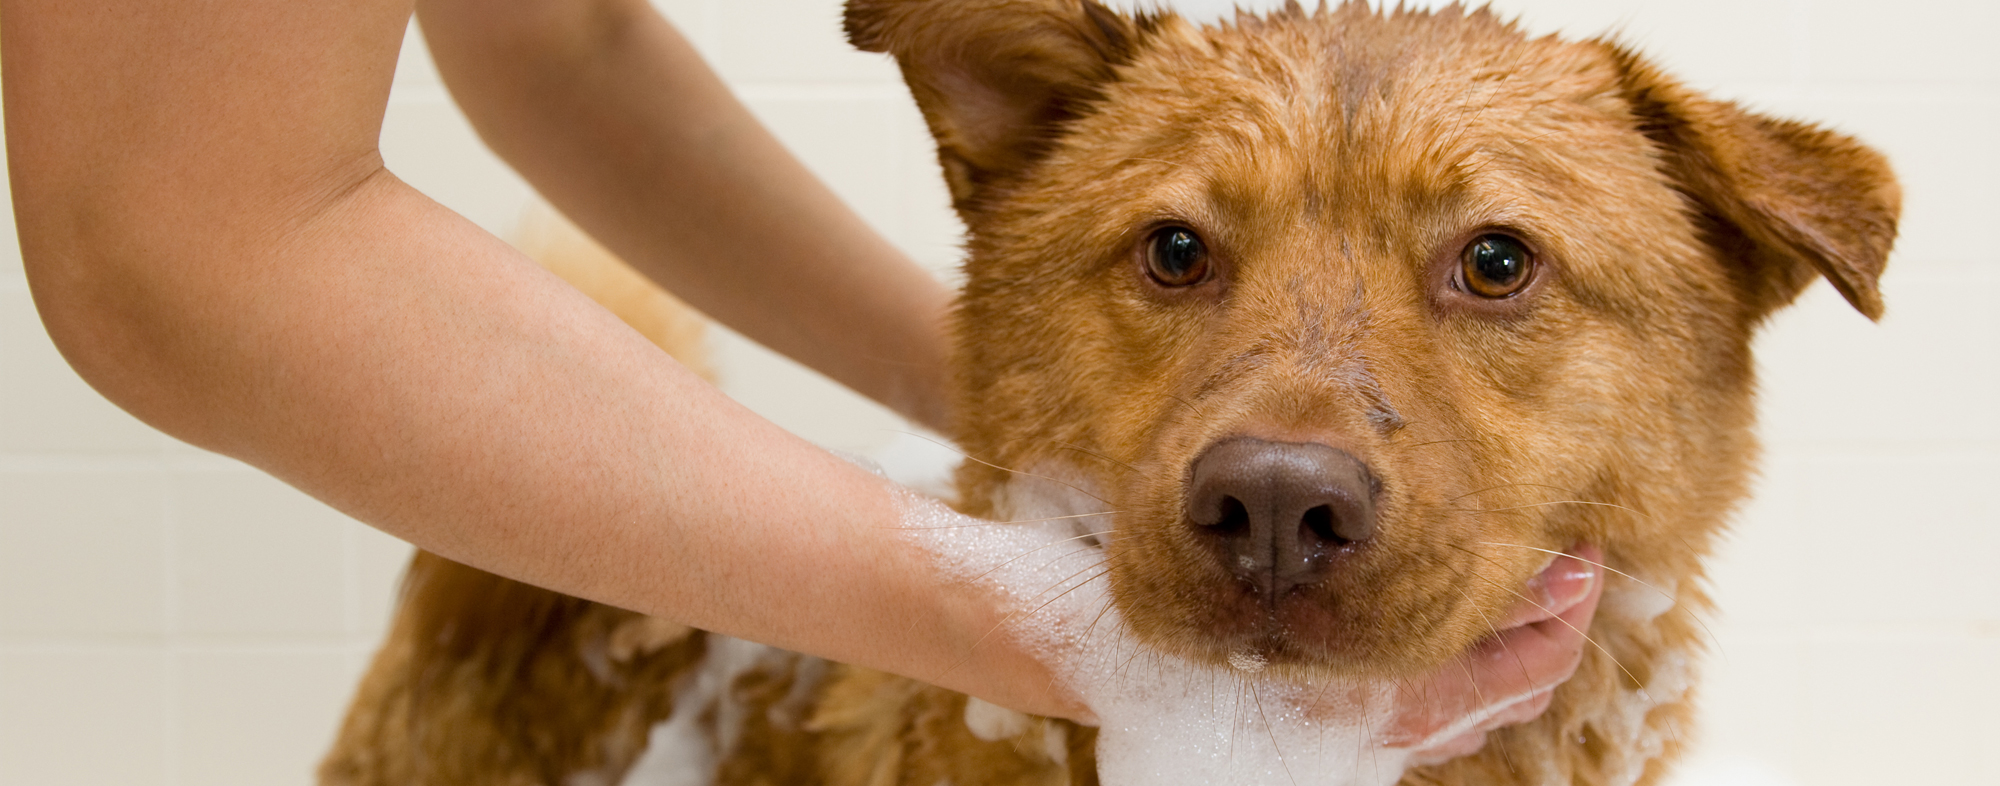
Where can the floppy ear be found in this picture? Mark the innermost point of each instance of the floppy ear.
(995, 78)
(1792, 199)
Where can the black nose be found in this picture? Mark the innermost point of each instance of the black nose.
(1277, 512)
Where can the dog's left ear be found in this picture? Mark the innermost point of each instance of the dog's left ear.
(995, 78)
(1798, 199)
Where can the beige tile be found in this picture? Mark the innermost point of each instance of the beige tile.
(791, 41)
(255, 556)
(1698, 40)
(1984, 684)
(83, 553)
(12, 274)
(1751, 697)
(44, 406)
(176, 449)
(378, 566)
(1925, 375)
(1941, 148)
(1899, 709)
(1701, 41)
(929, 231)
(799, 399)
(1897, 540)
(89, 718)
(261, 718)
(1754, 574)
(431, 146)
(850, 143)
(1701, 769)
(1862, 40)
(694, 18)
(413, 64)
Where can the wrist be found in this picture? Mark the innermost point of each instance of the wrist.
(973, 633)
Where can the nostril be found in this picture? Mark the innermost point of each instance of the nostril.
(1235, 518)
(1319, 523)
(1278, 514)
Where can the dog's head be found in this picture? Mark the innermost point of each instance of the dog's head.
(1350, 315)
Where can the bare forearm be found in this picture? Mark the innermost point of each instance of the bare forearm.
(395, 361)
(220, 253)
(609, 112)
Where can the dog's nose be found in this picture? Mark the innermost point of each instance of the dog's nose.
(1277, 512)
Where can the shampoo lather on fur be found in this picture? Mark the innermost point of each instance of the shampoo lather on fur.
(1164, 721)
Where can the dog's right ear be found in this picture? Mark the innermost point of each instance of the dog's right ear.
(1800, 199)
(995, 78)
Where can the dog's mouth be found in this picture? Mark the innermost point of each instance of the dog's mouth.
(1278, 520)
(1564, 582)
(1302, 554)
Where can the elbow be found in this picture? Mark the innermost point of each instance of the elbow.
(101, 331)
(116, 314)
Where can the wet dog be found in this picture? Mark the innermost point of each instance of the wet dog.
(1353, 317)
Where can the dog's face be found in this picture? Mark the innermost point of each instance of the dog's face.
(1353, 318)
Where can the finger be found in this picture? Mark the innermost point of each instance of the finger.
(1539, 655)
(1470, 742)
(1556, 589)
(1509, 671)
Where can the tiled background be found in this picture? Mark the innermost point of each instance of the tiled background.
(171, 617)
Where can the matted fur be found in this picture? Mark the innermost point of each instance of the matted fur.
(1334, 162)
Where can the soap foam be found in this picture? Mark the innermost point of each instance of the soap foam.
(1165, 721)
(683, 750)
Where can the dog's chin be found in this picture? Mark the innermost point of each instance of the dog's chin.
(1305, 634)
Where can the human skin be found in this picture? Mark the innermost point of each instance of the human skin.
(214, 244)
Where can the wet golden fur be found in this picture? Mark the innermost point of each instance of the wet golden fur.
(1335, 163)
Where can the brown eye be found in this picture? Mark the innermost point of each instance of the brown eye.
(1176, 257)
(1495, 266)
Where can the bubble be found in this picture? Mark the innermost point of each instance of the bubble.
(1246, 661)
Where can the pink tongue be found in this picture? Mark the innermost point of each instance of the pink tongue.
(1558, 587)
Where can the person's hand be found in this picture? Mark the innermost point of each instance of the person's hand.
(1095, 672)
(1509, 677)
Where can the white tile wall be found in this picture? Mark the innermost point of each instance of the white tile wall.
(83, 554)
(257, 558)
(47, 408)
(1752, 45)
(85, 717)
(1937, 136)
(1861, 41)
(257, 716)
(790, 41)
(12, 276)
(171, 617)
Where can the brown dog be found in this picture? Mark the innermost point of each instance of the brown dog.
(1353, 318)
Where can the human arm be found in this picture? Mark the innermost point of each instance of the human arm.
(213, 243)
(613, 115)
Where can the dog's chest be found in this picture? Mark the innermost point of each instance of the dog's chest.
(743, 694)
(1164, 720)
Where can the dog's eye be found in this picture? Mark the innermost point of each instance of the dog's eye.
(1176, 257)
(1496, 266)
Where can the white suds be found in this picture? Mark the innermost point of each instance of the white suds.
(992, 722)
(1164, 721)
(1627, 598)
(1246, 661)
(1634, 742)
(679, 750)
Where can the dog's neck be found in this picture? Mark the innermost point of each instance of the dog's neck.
(1164, 720)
